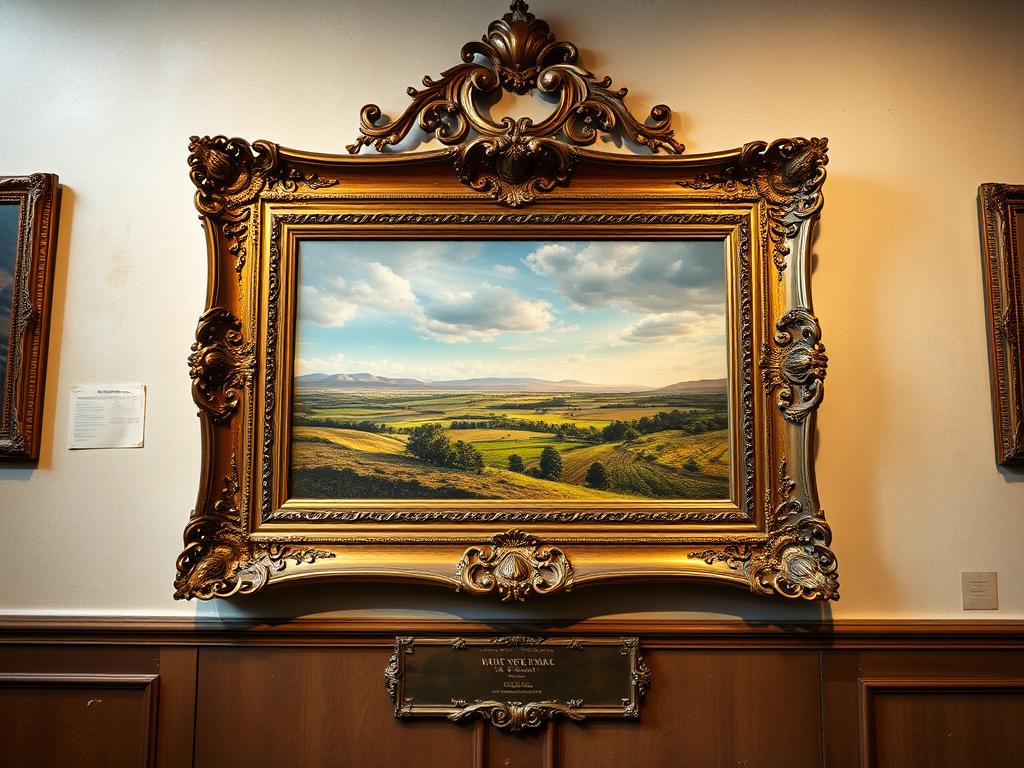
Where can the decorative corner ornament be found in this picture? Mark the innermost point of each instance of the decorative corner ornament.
(219, 560)
(514, 565)
(786, 175)
(516, 160)
(229, 174)
(796, 559)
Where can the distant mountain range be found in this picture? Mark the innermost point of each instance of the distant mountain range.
(366, 381)
(700, 385)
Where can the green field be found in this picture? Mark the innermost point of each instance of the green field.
(361, 444)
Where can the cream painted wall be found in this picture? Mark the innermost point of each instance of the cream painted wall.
(921, 101)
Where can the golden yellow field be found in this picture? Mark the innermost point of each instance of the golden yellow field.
(328, 470)
(352, 438)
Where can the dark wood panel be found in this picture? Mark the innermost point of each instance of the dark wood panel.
(712, 708)
(176, 729)
(310, 692)
(848, 677)
(530, 749)
(942, 723)
(68, 721)
(313, 707)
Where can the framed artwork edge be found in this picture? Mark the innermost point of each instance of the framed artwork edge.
(514, 180)
(38, 198)
(999, 205)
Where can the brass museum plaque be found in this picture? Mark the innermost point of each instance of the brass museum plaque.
(517, 681)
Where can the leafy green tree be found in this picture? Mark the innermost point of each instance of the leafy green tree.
(550, 464)
(468, 457)
(430, 442)
(630, 435)
(597, 476)
(692, 465)
(515, 463)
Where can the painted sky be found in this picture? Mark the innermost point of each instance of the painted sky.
(648, 313)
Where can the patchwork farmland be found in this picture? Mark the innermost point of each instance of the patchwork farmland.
(451, 444)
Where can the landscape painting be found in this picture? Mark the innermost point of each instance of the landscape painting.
(9, 220)
(511, 370)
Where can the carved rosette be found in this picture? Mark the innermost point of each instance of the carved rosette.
(222, 364)
(796, 366)
(794, 561)
(514, 565)
(515, 716)
(219, 560)
(515, 160)
(786, 175)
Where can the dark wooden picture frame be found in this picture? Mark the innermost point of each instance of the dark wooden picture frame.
(1001, 214)
(29, 249)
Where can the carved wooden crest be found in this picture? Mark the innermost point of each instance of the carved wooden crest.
(515, 160)
(515, 565)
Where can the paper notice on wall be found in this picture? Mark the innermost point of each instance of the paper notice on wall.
(107, 416)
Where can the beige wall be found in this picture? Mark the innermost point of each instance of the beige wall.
(921, 102)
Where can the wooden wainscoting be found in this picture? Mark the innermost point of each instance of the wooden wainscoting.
(310, 692)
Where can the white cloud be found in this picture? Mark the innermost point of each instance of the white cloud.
(376, 287)
(641, 277)
(482, 314)
(325, 308)
(549, 258)
(674, 326)
(383, 289)
(505, 269)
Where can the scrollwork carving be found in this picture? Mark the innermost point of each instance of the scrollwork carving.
(220, 560)
(640, 678)
(221, 365)
(787, 175)
(517, 159)
(514, 565)
(393, 670)
(230, 173)
(796, 366)
(794, 561)
(515, 715)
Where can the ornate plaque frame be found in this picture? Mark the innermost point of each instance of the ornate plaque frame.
(510, 180)
(498, 707)
(28, 328)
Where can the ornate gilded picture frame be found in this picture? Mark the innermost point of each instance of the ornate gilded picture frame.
(317, 465)
(29, 207)
(1001, 214)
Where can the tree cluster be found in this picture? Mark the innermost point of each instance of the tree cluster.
(690, 423)
(550, 465)
(430, 442)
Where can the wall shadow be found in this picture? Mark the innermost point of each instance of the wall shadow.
(680, 601)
